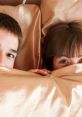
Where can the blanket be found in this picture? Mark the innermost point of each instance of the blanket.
(25, 94)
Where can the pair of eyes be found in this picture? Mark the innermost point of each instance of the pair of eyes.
(67, 61)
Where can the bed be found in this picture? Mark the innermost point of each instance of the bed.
(25, 94)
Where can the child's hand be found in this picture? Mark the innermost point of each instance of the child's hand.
(43, 72)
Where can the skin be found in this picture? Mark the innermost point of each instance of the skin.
(60, 62)
(8, 48)
(64, 61)
(43, 72)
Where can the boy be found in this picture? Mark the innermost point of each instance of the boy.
(10, 36)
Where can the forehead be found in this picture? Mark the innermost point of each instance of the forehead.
(8, 39)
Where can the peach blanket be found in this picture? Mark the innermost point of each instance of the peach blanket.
(25, 94)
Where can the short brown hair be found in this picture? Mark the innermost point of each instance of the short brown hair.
(10, 24)
(61, 38)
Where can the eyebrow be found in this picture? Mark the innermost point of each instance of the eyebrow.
(14, 51)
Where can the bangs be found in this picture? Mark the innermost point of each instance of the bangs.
(73, 46)
(65, 40)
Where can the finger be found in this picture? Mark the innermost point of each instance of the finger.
(42, 72)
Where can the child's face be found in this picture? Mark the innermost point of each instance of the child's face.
(8, 48)
(69, 56)
(64, 61)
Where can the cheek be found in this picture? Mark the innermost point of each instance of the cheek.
(10, 64)
(56, 64)
(1, 55)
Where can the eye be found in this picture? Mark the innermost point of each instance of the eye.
(61, 62)
(80, 60)
(64, 61)
(10, 55)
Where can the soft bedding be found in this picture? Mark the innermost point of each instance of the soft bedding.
(25, 94)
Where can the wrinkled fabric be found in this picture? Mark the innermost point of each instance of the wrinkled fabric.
(25, 94)
(17, 2)
(54, 11)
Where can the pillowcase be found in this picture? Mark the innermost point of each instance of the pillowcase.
(28, 17)
(54, 11)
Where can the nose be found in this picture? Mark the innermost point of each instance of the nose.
(74, 60)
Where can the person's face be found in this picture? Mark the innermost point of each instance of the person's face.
(8, 48)
(64, 61)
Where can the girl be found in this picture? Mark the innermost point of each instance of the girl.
(62, 45)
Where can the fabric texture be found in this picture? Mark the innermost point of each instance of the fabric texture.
(54, 11)
(25, 94)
